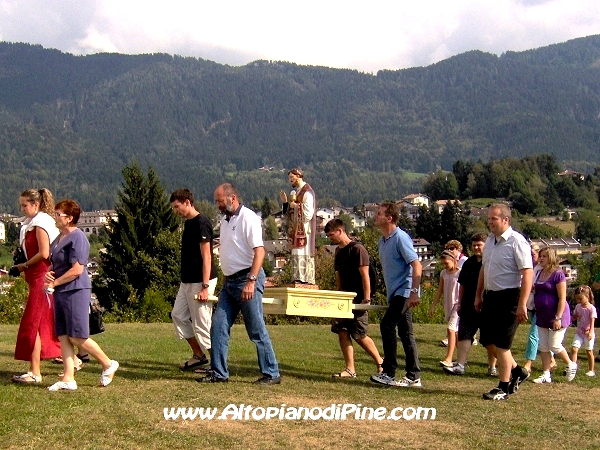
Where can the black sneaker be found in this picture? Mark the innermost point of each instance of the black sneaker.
(84, 358)
(211, 378)
(495, 394)
(516, 381)
(268, 381)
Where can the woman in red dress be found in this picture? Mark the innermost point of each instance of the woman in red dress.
(36, 339)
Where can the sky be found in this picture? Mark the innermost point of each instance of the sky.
(363, 35)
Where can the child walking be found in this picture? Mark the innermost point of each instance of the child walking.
(449, 288)
(585, 313)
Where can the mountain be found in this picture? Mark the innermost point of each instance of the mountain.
(71, 123)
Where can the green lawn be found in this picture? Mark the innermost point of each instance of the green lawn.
(129, 412)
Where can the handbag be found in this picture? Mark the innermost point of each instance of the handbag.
(96, 323)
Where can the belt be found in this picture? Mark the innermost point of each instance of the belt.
(239, 273)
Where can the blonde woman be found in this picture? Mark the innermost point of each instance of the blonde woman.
(36, 339)
(553, 316)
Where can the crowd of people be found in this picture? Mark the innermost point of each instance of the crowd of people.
(493, 291)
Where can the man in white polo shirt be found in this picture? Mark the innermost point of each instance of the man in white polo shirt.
(241, 254)
(504, 285)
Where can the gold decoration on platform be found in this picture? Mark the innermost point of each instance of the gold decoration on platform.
(308, 302)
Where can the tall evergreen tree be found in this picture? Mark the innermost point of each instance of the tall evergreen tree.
(138, 242)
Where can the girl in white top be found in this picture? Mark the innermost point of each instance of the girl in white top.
(449, 287)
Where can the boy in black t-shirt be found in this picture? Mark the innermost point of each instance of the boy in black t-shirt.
(352, 275)
(192, 312)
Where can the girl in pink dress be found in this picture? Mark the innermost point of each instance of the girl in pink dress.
(36, 339)
(448, 288)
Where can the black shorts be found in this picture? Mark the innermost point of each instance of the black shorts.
(468, 326)
(499, 318)
(357, 328)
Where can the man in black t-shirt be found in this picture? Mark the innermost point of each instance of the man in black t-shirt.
(352, 275)
(469, 317)
(192, 312)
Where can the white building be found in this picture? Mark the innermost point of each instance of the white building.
(91, 222)
(2, 232)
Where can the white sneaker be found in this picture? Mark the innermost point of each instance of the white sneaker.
(474, 341)
(383, 378)
(542, 379)
(492, 371)
(407, 382)
(108, 374)
(444, 342)
(63, 386)
(591, 373)
(571, 372)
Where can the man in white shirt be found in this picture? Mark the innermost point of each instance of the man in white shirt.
(241, 254)
(504, 285)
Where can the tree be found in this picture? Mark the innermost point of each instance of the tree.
(347, 220)
(536, 230)
(209, 210)
(587, 229)
(271, 230)
(142, 249)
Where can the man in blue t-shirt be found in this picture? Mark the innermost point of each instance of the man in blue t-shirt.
(402, 276)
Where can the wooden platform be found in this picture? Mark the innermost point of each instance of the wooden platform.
(311, 302)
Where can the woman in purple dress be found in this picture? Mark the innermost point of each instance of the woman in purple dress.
(72, 289)
(553, 316)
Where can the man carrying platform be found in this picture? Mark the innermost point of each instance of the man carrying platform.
(352, 275)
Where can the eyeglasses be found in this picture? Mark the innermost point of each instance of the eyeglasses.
(59, 214)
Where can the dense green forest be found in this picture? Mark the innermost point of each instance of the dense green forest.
(71, 123)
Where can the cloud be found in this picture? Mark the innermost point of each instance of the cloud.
(364, 35)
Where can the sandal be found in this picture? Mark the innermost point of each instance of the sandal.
(77, 368)
(27, 378)
(200, 361)
(108, 374)
(380, 367)
(347, 371)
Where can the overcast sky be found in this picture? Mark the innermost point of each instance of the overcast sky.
(364, 35)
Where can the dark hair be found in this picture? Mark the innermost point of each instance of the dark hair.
(42, 196)
(478, 237)
(70, 208)
(297, 171)
(181, 195)
(391, 210)
(334, 225)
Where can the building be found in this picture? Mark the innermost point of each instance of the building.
(276, 252)
(91, 222)
(2, 232)
(421, 246)
(562, 246)
(417, 199)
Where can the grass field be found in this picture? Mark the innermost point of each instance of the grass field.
(129, 412)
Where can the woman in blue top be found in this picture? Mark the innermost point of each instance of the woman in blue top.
(72, 295)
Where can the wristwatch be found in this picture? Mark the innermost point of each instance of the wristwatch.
(251, 277)
(205, 285)
(414, 290)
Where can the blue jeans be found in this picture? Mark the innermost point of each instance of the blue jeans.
(228, 307)
(533, 339)
(399, 314)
